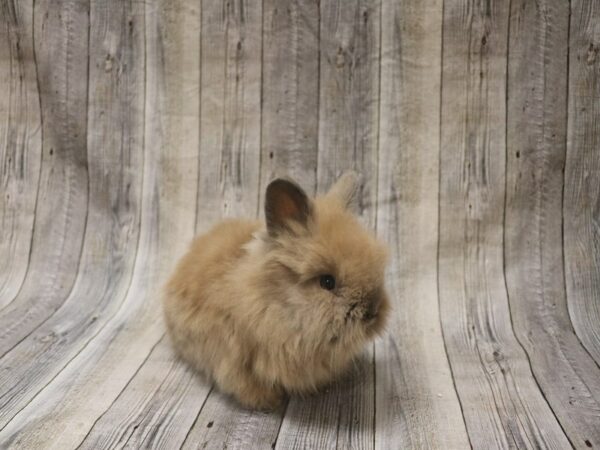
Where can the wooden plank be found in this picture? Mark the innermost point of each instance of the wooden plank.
(239, 424)
(223, 424)
(82, 354)
(115, 143)
(349, 96)
(173, 134)
(582, 192)
(156, 409)
(343, 415)
(106, 377)
(536, 137)
(290, 92)
(501, 402)
(172, 142)
(417, 406)
(290, 97)
(60, 217)
(229, 179)
(339, 416)
(231, 111)
(92, 382)
(20, 144)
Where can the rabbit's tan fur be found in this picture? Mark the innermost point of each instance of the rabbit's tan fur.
(245, 305)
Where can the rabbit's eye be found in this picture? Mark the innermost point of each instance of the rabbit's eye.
(327, 282)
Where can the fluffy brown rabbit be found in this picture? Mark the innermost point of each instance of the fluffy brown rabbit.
(265, 310)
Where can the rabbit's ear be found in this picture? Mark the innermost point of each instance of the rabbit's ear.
(285, 203)
(345, 190)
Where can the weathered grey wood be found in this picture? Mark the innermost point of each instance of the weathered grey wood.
(536, 138)
(340, 416)
(85, 389)
(230, 111)
(416, 404)
(61, 213)
(501, 402)
(290, 96)
(349, 96)
(290, 92)
(347, 139)
(156, 409)
(189, 108)
(223, 424)
(229, 179)
(168, 216)
(582, 189)
(20, 144)
(115, 143)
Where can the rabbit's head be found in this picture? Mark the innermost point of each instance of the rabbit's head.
(324, 267)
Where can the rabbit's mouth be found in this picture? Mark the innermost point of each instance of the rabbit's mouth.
(367, 315)
(371, 313)
(351, 312)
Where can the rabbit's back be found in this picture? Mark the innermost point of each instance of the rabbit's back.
(197, 295)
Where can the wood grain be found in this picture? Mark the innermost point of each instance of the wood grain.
(223, 424)
(290, 104)
(126, 127)
(20, 144)
(168, 396)
(115, 157)
(349, 96)
(156, 409)
(416, 403)
(62, 201)
(501, 402)
(290, 92)
(582, 172)
(536, 137)
(230, 111)
(340, 416)
(229, 180)
(347, 139)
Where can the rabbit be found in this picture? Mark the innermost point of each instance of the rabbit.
(283, 307)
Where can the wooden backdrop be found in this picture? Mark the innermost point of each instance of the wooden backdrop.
(127, 126)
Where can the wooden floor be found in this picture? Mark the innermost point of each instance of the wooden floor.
(128, 126)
